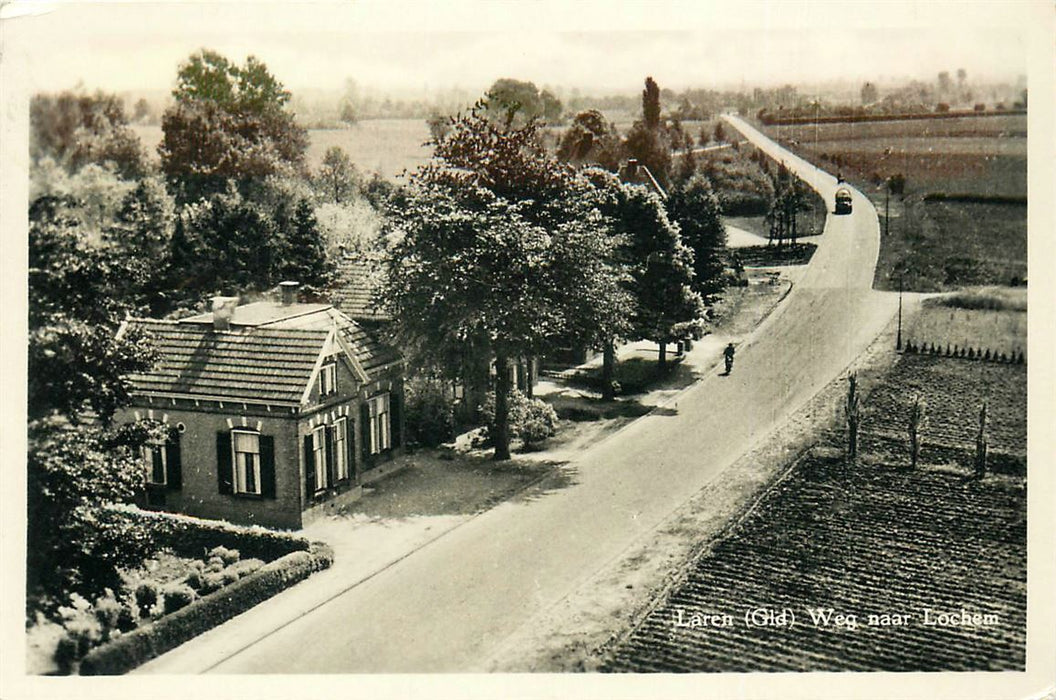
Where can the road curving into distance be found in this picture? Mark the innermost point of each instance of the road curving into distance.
(449, 605)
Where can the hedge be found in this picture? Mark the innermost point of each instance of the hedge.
(192, 537)
(141, 645)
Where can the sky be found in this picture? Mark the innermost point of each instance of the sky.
(597, 47)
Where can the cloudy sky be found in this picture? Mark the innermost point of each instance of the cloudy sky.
(595, 46)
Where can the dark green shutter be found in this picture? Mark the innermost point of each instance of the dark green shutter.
(267, 466)
(309, 468)
(364, 429)
(224, 470)
(172, 458)
(394, 419)
(331, 466)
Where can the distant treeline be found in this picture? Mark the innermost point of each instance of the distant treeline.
(770, 120)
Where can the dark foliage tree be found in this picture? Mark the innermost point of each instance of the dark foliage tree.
(228, 122)
(76, 129)
(651, 104)
(591, 140)
(651, 149)
(657, 266)
(513, 103)
(496, 255)
(695, 208)
(304, 258)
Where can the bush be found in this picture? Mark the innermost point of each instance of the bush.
(245, 567)
(531, 420)
(177, 597)
(137, 647)
(211, 581)
(429, 413)
(146, 595)
(227, 556)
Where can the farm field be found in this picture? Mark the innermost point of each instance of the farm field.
(872, 538)
(934, 245)
(862, 541)
(999, 330)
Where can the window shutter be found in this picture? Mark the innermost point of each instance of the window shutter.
(309, 468)
(224, 470)
(395, 428)
(172, 457)
(331, 466)
(267, 466)
(364, 429)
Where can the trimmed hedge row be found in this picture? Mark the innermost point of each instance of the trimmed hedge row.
(139, 646)
(192, 537)
(770, 120)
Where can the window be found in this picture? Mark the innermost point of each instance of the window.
(247, 461)
(328, 379)
(155, 461)
(319, 454)
(341, 448)
(380, 424)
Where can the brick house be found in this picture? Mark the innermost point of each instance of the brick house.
(279, 411)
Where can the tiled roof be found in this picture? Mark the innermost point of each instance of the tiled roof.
(352, 288)
(250, 364)
(270, 361)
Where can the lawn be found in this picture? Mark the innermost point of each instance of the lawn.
(1000, 330)
(935, 245)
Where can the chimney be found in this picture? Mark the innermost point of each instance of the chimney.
(289, 292)
(223, 309)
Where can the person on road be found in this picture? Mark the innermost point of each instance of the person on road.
(728, 354)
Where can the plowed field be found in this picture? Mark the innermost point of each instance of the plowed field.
(868, 540)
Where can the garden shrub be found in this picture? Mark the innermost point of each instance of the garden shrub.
(531, 420)
(245, 567)
(227, 556)
(146, 595)
(141, 645)
(429, 413)
(211, 581)
(177, 596)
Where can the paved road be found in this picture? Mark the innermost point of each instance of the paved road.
(452, 603)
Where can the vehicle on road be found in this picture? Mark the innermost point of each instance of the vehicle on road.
(843, 201)
(728, 356)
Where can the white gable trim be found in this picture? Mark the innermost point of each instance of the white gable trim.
(351, 355)
(314, 376)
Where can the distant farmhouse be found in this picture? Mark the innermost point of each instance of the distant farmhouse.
(279, 410)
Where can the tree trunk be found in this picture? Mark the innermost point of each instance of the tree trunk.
(662, 362)
(529, 377)
(608, 370)
(502, 408)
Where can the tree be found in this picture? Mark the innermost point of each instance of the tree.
(591, 140)
(496, 255)
(869, 94)
(337, 178)
(304, 259)
(944, 83)
(75, 129)
(657, 266)
(514, 103)
(695, 209)
(651, 104)
(228, 121)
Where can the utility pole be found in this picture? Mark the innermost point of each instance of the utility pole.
(887, 201)
(898, 338)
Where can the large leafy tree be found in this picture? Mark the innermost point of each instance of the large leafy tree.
(695, 208)
(496, 255)
(514, 103)
(228, 122)
(79, 289)
(657, 264)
